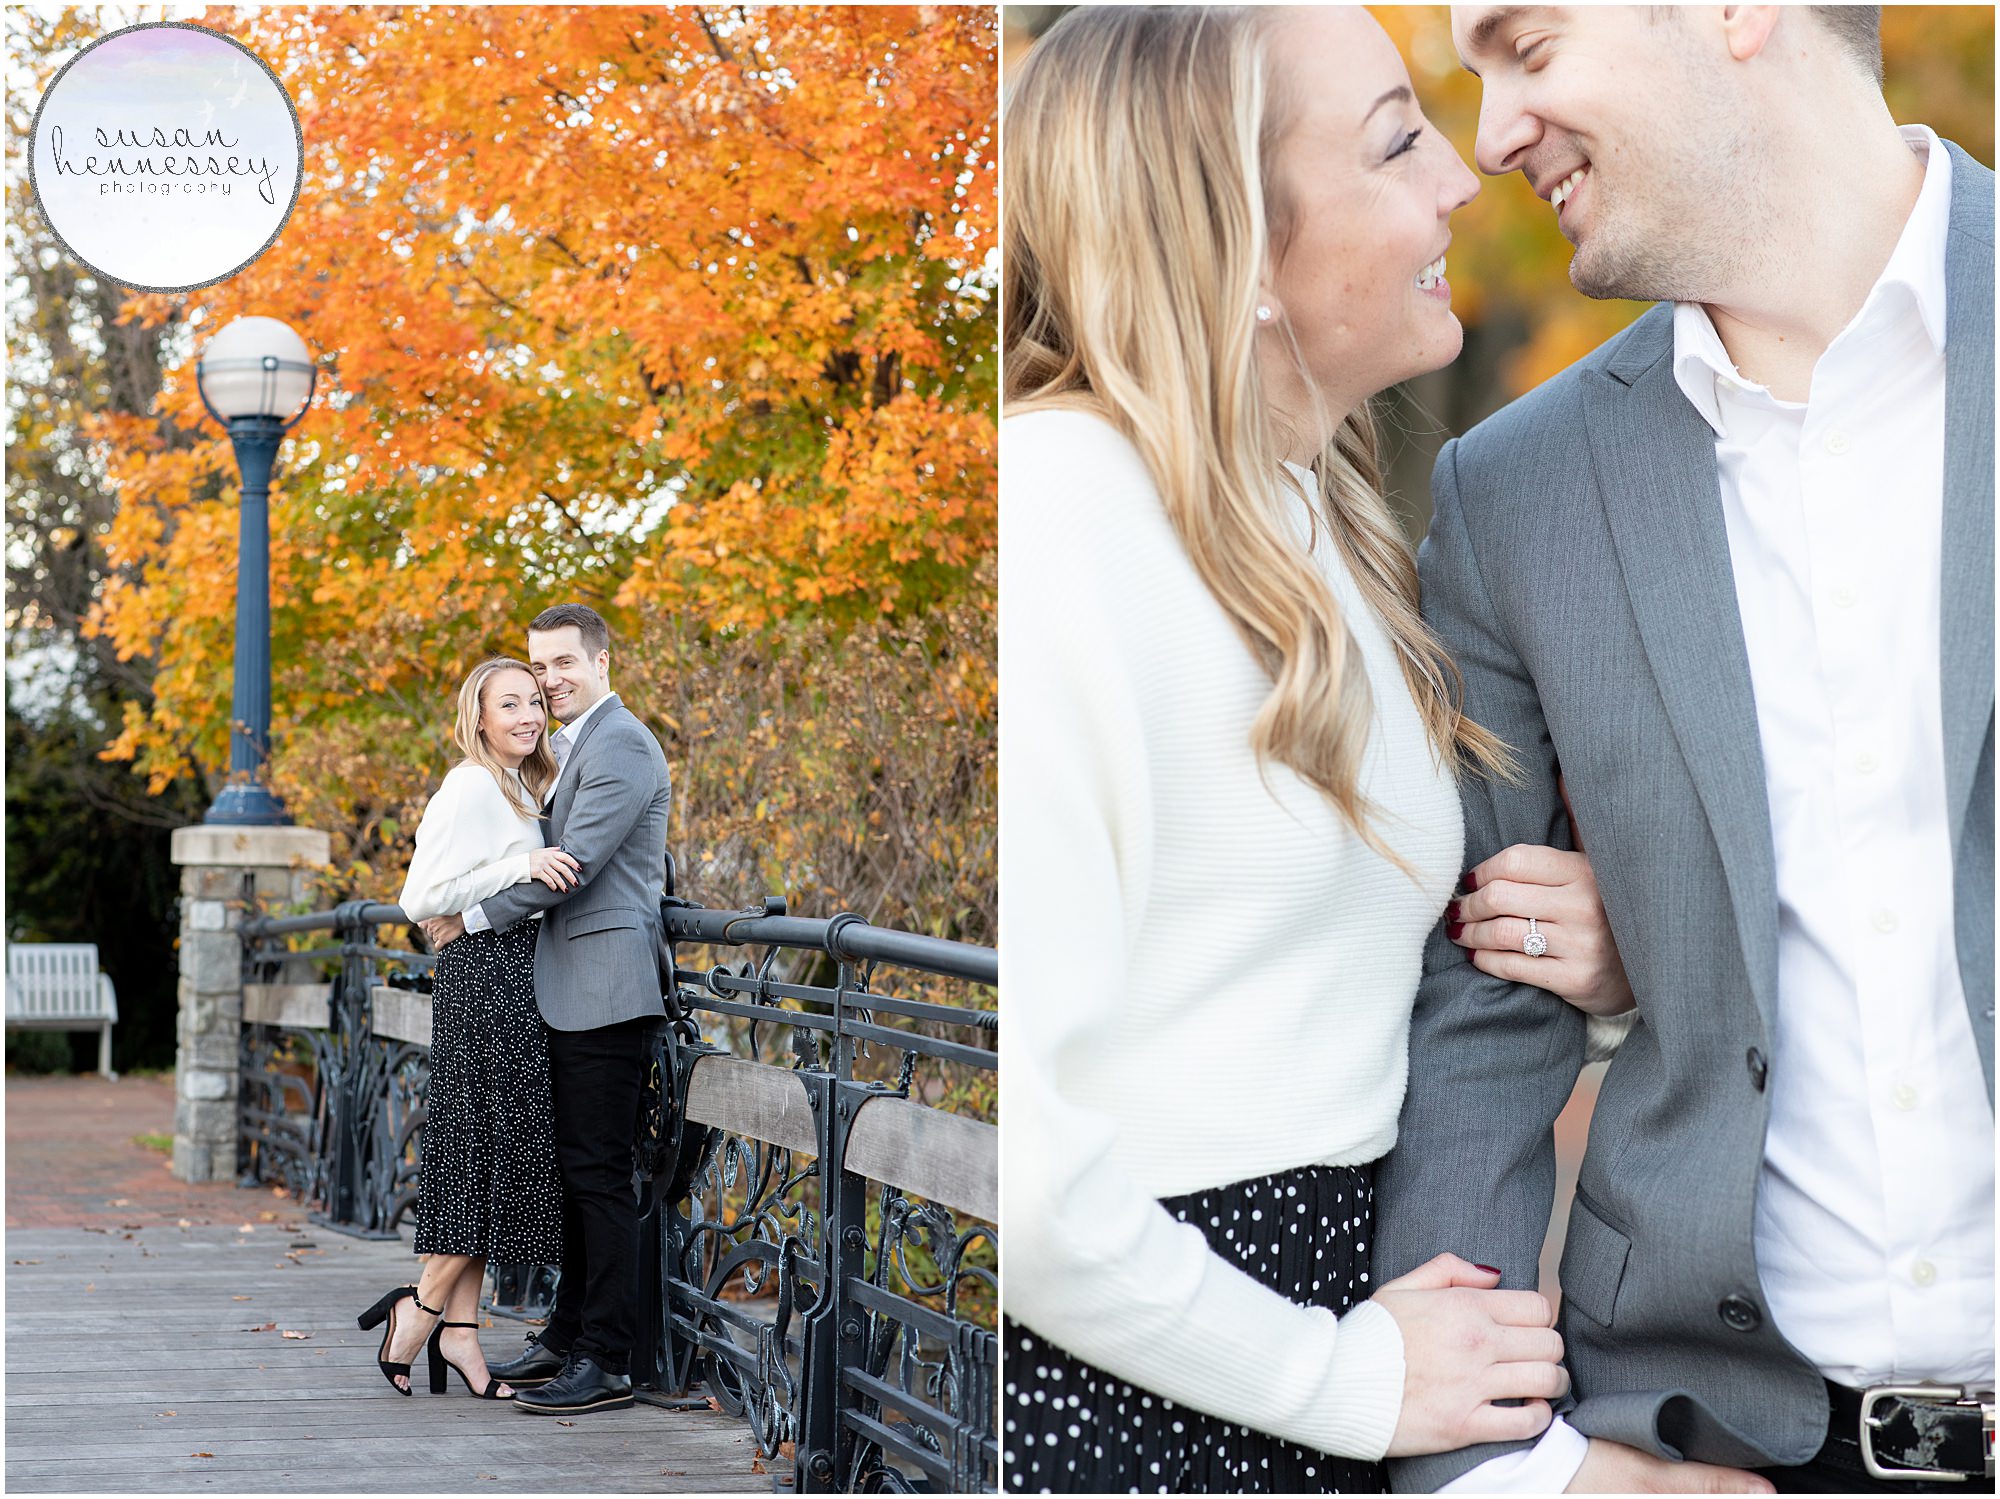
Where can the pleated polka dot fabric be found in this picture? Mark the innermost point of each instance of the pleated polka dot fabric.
(1069, 1427)
(487, 1182)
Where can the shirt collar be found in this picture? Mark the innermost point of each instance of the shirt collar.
(575, 726)
(1916, 266)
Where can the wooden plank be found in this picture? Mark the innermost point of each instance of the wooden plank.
(946, 1157)
(401, 1014)
(755, 1100)
(303, 1006)
(93, 1372)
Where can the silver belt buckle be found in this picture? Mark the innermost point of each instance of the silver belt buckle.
(1939, 1394)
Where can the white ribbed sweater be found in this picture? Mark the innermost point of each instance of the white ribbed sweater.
(471, 845)
(1210, 975)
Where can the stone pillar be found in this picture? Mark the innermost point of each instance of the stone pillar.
(225, 871)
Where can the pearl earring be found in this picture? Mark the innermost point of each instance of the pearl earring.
(1263, 314)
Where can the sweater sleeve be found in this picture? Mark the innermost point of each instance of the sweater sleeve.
(462, 831)
(1093, 1263)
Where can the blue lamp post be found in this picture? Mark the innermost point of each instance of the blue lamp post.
(256, 378)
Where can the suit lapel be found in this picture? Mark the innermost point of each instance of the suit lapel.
(1966, 581)
(1654, 460)
(565, 786)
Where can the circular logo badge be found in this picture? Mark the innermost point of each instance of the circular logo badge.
(166, 156)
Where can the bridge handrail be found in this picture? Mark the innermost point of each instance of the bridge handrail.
(851, 1185)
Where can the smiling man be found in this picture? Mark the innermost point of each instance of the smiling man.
(1730, 578)
(597, 984)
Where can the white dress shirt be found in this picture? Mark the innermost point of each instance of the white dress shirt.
(1874, 1221)
(560, 744)
(471, 844)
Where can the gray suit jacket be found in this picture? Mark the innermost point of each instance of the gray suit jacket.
(1578, 570)
(596, 957)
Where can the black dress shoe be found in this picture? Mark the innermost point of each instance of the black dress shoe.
(585, 1385)
(537, 1366)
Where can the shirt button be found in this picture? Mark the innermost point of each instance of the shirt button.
(1866, 763)
(1923, 1272)
(1837, 443)
(1904, 1097)
(1885, 922)
(1845, 597)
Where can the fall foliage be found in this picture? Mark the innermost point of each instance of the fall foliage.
(684, 313)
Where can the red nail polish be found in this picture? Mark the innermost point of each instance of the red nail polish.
(1490, 1269)
(1451, 912)
(1453, 928)
(1471, 882)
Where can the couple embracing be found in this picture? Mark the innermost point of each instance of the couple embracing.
(537, 878)
(1715, 604)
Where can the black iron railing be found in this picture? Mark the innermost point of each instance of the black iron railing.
(822, 1255)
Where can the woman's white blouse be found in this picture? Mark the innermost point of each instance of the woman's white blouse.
(471, 844)
(1211, 974)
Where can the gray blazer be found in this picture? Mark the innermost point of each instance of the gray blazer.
(1578, 570)
(596, 958)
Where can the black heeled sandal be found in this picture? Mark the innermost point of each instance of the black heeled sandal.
(386, 1308)
(439, 1363)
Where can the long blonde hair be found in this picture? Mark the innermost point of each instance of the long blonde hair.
(538, 771)
(1141, 217)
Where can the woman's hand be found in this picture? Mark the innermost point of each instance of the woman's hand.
(553, 868)
(1466, 1345)
(1559, 890)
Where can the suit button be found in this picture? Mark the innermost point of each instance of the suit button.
(1759, 1069)
(1740, 1314)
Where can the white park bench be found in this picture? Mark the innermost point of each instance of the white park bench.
(57, 986)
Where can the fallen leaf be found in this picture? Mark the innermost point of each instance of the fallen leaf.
(187, 1223)
(91, 1287)
(263, 1327)
(27, 1262)
(281, 1191)
(166, 1413)
(201, 1454)
(673, 1472)
(560, 1422)
(715, 1405)
(757, 1466)
(239, 1298)
(788, 1450)
(247, 1228)
(300, 1336)
(121, 1202)
(267, 1217)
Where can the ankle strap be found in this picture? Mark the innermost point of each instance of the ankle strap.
(433, 1310)
(473, 1325)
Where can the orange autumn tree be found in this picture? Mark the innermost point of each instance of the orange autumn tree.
(685, 313)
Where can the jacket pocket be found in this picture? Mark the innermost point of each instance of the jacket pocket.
(1593, 1264)
(603, 919)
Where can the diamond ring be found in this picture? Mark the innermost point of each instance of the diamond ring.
(1534, 944)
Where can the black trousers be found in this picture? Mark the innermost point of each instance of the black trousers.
(597, 1077)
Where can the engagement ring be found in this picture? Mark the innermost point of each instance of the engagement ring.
(1534, 944)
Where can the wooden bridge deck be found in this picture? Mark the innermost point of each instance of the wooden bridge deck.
(147, 1347)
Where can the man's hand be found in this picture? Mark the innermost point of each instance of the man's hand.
(442, 929)
(1613, 1468)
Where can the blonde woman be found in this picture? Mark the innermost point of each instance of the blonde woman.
(487, 1186)
(1228, 764)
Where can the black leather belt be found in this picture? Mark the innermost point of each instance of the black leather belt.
(1940, 1433)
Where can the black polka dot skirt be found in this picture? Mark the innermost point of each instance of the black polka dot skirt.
(1069, 1427)
(487, 1181)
